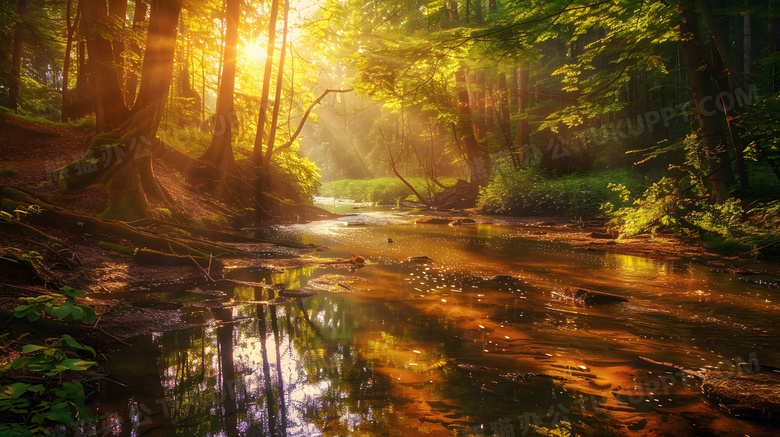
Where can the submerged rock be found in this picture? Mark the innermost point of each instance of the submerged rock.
(588, 297)
(434, 221)
(462, 221)
(419, 260)
(753, 396)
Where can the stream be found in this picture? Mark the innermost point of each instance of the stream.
(476, 342)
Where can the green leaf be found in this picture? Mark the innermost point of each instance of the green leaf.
(62, 312)
(76, 312)
(37, 388)
(76, 364)
(32, 348)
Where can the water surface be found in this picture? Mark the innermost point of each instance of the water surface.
(446, 348)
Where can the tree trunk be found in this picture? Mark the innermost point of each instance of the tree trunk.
(134, 66)
(701, 84)
(504, 119)
(257, 152)
(117, 11)
(479, 122)
(191, 97)
(69, 29)
(748, 45)
(524, 134)
(465, 131)
(127, 167)
(490, 125)
(220, 152)
(110, 110)
(278, 93)
(16, 57)
(723, 66)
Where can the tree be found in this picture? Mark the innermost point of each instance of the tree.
(121, 156)
(220, 152)
(257, 153)
(16, 60)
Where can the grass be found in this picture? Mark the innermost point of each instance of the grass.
(529, 192)
(381, 190)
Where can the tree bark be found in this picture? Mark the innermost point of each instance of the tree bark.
(524, 134)
(69, 29)
(117, 11)
(278, 93)
(126, 167)
(110, 110)
(504, 119)
(257, 152)
(134, 66)
(701, 84)
(16, 56)
(220, 152)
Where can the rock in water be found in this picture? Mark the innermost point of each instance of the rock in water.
(434, 221)
(419, 260)
(753, 396)
(462, 221)
(589, 297)
(389, 240)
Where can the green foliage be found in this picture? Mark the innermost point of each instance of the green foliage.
(728, 229)
(384, 190)
(655, 209)
(58, 355)
(29, 409)
(58, 305)
(297, 171)
(530, 192)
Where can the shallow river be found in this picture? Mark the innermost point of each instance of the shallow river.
(398, 348)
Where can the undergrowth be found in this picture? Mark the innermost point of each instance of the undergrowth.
(530, 192)
(382, 190)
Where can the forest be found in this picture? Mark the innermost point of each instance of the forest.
(439, 217)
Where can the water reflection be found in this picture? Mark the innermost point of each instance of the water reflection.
(446, 347)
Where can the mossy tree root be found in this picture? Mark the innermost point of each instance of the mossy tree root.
(177, 244)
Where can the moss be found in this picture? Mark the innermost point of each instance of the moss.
(8, 171)
(127, 250)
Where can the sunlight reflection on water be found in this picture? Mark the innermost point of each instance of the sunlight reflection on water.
(402, 348)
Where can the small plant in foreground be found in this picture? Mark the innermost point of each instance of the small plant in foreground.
(59, 305)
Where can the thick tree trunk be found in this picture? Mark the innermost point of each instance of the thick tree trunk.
(117, 11)
(16, 56)
(110, 110)
(701, 84)
(257, 152)
(220, 152)
(134, 66)
(478, 174)
(278, 93)
(126, 167)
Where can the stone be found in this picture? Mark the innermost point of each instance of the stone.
(745, 395)
(434, 221)
(589, 297)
